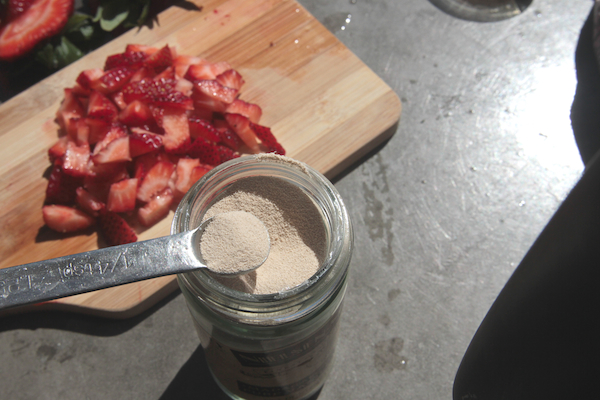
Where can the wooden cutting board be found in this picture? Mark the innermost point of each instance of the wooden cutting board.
(325, 106)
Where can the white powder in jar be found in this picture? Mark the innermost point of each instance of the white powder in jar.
(296, 232)
(234, 242)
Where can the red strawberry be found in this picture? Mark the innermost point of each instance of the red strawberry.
(227, 136)
(167, 73)
(140, 48)
(113, 79)
(265, 135)
(98, 129)
(210, 153)
(205, 70)
(157, 208)
(160, 59)
(69, 108)
(115, 229)
(251, 111)
(61, 187)
(115, 151)
(132, 59)
(212, 95)
(136, 113)
(157, 178)
(43, 19)
(181, 63)
(82, 131)
(241, 126)
(142, 142)
(65, 219)
(177, 130)
(88, 202)
(100, 106)
(88, 76)
(59, 149)
(14, 8)
(117, 98)
(202, 127)
(160, 93)
(189, 171)
(76, 159)
(122, 196)
(231, 78)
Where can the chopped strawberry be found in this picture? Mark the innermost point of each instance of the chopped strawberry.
(14, 8)
(132, 59)
(227, 135)
(76, 159)
(102, 176)
(115, 151)
(41, 20)
(160, 93)
(156, 209)
(82, 131)
(230, 78)
(88, 202)
(184, 86)
(149, 50)
(182, 63)
(157, 178)
(167, 73)
(113, 79)
(241, 126)
(115, 229)
(160, 60)
(210, 153)
(251, 111)
(205, 70)
(61, 187)
(69, 108)
(65, 219)
(98, 129)
(58, 150)
(189, 171)
(142, 142)
(122, 195)
(202, 127)
(136, 113)
(177, 130)
(117, 98)
(212, 95)
(88, 76)
(100, 106)
(265, 135)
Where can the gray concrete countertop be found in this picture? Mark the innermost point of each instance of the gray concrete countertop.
(444, 212)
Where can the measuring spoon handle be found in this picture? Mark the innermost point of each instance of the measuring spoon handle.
(98, 269)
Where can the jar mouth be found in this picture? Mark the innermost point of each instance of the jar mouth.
(288, 303)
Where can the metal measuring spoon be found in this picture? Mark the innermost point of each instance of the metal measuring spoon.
(111, 266)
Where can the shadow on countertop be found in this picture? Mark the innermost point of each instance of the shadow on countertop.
(541, 337)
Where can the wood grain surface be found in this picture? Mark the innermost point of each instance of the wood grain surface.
(326, 107)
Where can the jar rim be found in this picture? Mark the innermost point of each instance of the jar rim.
(288, 304)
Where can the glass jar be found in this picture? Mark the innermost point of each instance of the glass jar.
(280, 345)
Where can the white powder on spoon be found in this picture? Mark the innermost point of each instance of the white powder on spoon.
(296, 231)
(234, 242)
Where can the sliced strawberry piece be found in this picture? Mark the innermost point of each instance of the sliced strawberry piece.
(160, 59)
(230, 78)
(160, 93)
(65, 219)
(132, 59)
(88, 202)
(212, 95)
(189, 171)
(136, 114)
(14, 8)
(267, 138)
(210, 153)
(167, 73)
(82, 131)
(114, 131)
(122, 196)
(113, 79)
(117, 98)
(58, 150)
(141, 48)
(184, 86)
(249, 110)
(69, 108)
(115, 229)
(76, 159)
(142, 142)
(182, 62)
(61, 187)
(157, 178)
(205, 70)
(98, 129)
(157, 208)
(102, 176)
(102, 107)
(115, 151)
(177, 130)
(88, 76)
(202, 127)
(227, 135)
(41, 20)
(241, 126)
